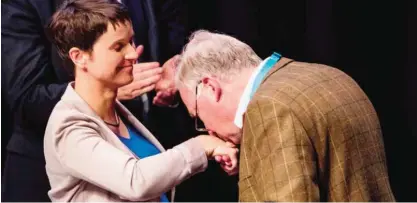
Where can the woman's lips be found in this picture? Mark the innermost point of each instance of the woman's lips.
(127, 68)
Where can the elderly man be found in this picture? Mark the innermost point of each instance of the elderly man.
(307, 131)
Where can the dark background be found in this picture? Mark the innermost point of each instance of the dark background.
(375, 42)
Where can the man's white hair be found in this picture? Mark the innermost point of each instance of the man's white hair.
(215, 55)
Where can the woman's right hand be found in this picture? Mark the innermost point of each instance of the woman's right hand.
(145, 77)
(216, 147)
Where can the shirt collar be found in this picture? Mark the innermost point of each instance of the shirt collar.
(245, 98)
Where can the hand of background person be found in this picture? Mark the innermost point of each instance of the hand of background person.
(166, 98)
(165, 87)
(145, 76)
(224, 153)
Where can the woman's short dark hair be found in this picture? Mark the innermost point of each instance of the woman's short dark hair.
(79, 23)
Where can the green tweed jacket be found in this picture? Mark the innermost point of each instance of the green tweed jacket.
(311, 134)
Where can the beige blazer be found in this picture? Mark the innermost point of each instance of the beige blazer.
(311, 134)
(86, 161)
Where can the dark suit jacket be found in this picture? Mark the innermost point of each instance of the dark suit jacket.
(160, 26)
(32, 72)
(311, 134)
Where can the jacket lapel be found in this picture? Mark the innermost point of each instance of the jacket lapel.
(78, 103)
(281, 63)
(82, 106)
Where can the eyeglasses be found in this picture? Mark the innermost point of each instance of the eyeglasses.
(199, 125)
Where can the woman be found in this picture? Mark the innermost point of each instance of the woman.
(95, 149)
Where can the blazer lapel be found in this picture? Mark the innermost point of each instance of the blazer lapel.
(78, 103)
(82, 106)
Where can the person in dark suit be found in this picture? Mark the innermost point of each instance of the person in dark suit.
(34, 79)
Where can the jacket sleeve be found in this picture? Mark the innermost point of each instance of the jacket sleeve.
(26, 67)
(278, 162)
(86, 155)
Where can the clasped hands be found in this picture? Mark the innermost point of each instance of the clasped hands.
(225, 153)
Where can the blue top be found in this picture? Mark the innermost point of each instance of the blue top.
(141, 147)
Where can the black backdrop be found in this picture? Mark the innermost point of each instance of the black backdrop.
(373, 41)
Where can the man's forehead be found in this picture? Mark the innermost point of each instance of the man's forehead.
(185, 92)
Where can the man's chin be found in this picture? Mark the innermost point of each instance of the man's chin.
(233, 138)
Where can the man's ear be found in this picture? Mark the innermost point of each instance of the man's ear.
(78, 57)
(213, 88)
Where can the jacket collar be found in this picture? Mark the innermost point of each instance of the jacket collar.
(280, 64)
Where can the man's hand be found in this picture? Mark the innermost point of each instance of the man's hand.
(145, 76)
(165, 87)
(223, 152)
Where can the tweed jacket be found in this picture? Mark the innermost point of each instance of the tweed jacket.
(86, 161)
(311, 134)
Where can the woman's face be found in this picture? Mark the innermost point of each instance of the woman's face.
(113, 55)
